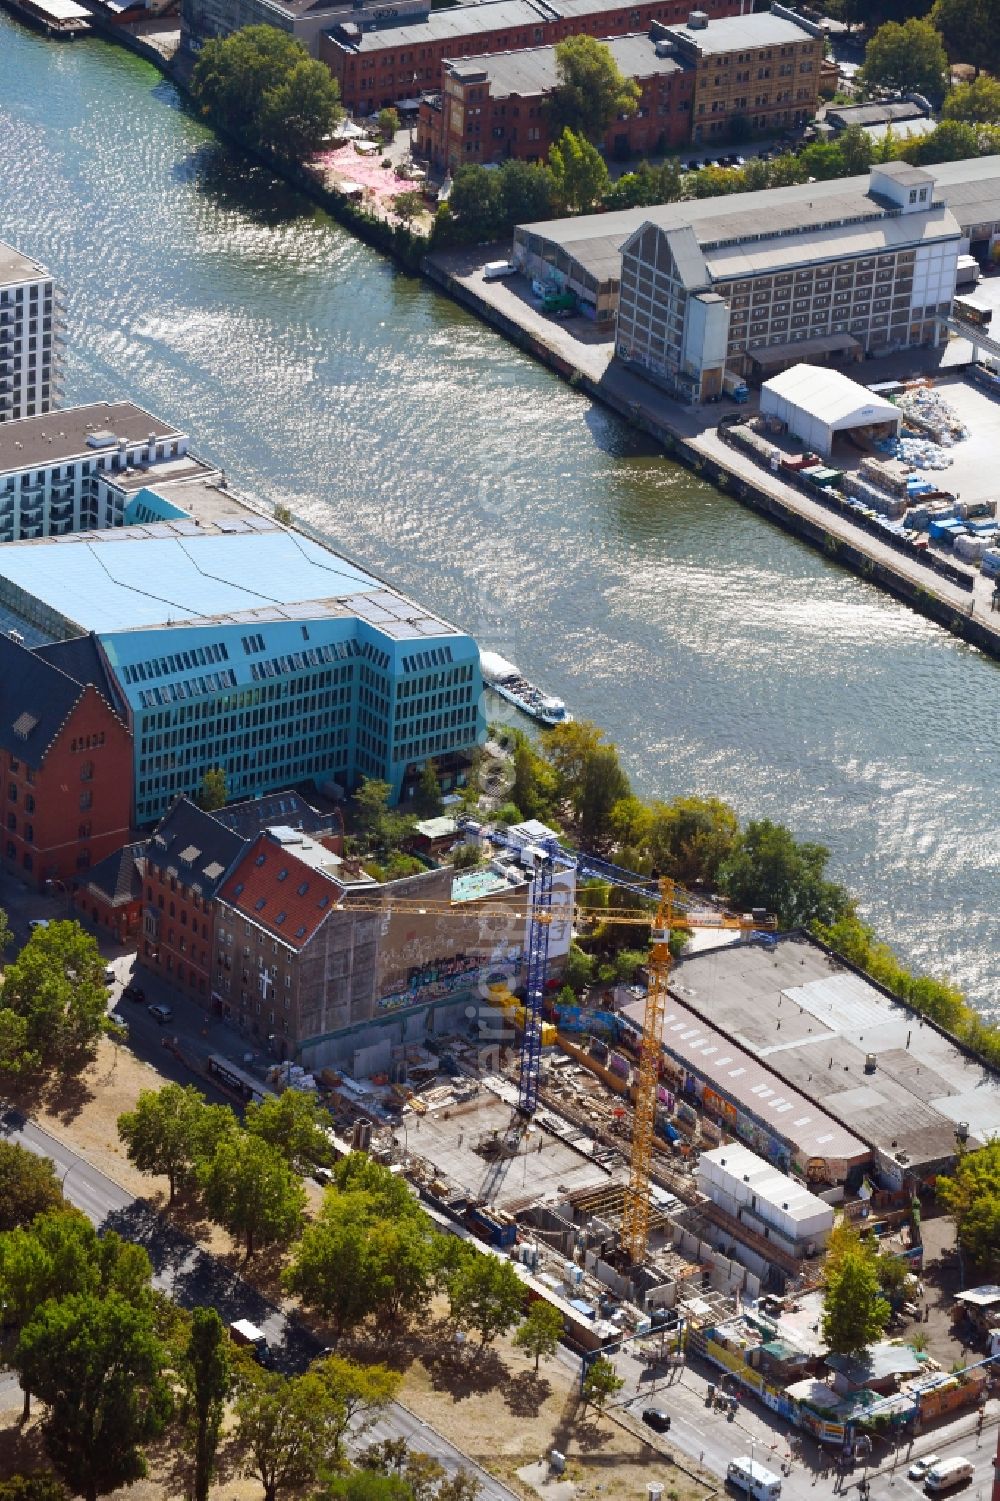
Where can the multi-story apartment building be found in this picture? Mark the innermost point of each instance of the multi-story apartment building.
(234, 642)
(762, 70)
(66, 768)
(29, 337)
(182, 868)
(76, 470)
(303, 19)
(868, 273)
(385, 60)
(495, 107)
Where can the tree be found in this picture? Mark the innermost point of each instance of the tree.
(28, 1186)
(208, 1380)
(541, 1330)
(261, 83)
(486, 1295)
(972, 1196)
(280, 1422)
(906, 56)
(568, 747)
(691, 837)
(977, 103)
(56, 986)
(366, 1484)
(36, 1487)
(770, 869)
(856, 150)
(296, 1125)
(579, 970)
(170, 1129)
(952, 141)
(601, 1383)
(369, 1252)
(970, 30)
(524, 192)
(98, 1367)
(249, 1188)
(854, 1312)
(380, 825)
(388, 123)
(408, 205)
(355, 1396)
(603, 786)
(475, 202)
(579, 174)
(213, 792)
(590, 93)
(428, 795)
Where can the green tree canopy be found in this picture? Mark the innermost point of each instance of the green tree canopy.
(28, 1186)
(854, 1312)
(691, 837)
(262, 84)
(905, 56)
(171, 1129)
(207, 1374)
(601, 1383)
(56, 987)
(355, 1396)
(590, 92)
(770, 869)
(977, 103)
(98, 1366)
(427, 801)
(296, 1125)
(541, 1330)
(579, 174)
(213, 792)
(388, 123)
(485, 1295)
(972, 1196)
(971, 32)
(952, 141)
(283, 1425)
(248, 1187)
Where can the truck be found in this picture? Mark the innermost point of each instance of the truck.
(969, 310)
(749, 1476)
(967, 273)
(243, 1332)
(735, 387)
(948, 1473)
(559, 302)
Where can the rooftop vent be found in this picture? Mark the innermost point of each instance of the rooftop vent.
(697, 20)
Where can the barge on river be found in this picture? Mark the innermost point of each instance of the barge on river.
(507, 680)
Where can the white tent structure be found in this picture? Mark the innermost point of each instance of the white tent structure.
(815, 403)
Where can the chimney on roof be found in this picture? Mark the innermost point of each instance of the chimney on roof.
(697, 20)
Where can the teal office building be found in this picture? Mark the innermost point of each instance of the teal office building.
(233, 641)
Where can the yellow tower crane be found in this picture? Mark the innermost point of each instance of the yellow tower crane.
(676, 910)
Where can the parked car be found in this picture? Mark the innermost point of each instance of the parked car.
(38, 922)
(656, 1418)
(919, 1467)
(118, 1020)
(133, 993)
(110, 978)
(161, 1014)
(692, 166)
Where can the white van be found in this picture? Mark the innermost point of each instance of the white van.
(747, 1475)
(948, 1473)
(494, 270)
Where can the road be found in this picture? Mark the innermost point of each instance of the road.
(191, 1276)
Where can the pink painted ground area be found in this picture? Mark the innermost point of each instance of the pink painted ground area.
(381, 181)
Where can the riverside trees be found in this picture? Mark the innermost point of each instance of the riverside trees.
(261, 84)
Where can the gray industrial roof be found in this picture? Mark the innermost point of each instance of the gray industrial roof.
(737, 1075)
(532, 70)
(969, 189)
(814, 1023)
(16, 267)
(735, 33)
(57, 436)
(460, 21)
(843, 115)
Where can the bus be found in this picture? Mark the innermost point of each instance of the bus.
(243, 1085)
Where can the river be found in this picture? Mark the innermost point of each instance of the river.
(720, 654)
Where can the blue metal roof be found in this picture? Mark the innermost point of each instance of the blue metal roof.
(119, 580)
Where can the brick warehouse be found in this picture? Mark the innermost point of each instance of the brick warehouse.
(66, 758)
(492, 108)
(377, 64)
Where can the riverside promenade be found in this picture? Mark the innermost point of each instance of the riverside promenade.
(583, 357)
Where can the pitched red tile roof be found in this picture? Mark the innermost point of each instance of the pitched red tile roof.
(273, 888)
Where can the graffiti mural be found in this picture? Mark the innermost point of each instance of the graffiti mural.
(440, 978)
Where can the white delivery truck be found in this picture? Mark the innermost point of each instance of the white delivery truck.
(251, 1337)
(759, 1483)
(948, 1473)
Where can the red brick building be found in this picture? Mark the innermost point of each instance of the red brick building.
(377, 65)
(66, 764)
(110, 896)
(186, 861)
(493, 108)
